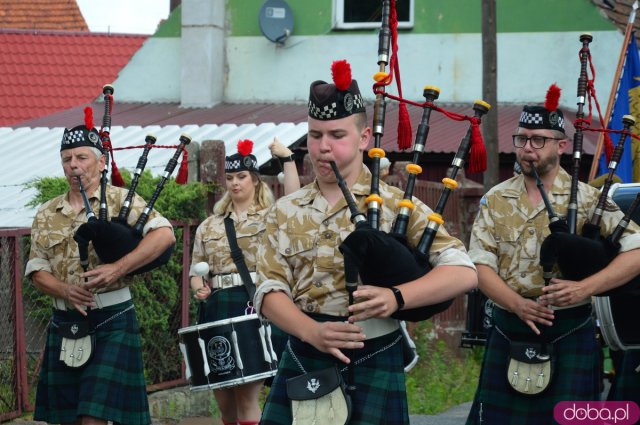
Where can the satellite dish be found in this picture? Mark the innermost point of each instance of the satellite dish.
(276, 20)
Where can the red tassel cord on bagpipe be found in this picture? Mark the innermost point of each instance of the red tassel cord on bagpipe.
(114, 239)
(450, 184)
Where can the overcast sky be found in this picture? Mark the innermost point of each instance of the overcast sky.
(124, 16)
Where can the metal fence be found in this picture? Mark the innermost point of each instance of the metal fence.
(163, 306)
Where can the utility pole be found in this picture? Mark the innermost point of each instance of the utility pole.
(490, 91)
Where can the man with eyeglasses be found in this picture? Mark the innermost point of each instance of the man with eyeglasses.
(505, 244)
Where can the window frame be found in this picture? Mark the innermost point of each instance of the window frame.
(339, 24)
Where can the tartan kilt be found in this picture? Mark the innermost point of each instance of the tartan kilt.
(380, 396)
(110, 387)
(224, 304)
(626, 382)
(576, 373)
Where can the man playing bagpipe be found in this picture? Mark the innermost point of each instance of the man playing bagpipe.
(92, 370)
(301, 273)
(542, 348)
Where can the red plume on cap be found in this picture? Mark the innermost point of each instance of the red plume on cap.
(341, 74)
(88, 117)
(245, 147)
(552, 98)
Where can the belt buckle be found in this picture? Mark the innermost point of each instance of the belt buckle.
(226, 280)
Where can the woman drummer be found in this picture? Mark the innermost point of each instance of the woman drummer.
(246, 202)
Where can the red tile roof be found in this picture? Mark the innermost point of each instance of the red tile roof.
(61, 15)
(48, 72)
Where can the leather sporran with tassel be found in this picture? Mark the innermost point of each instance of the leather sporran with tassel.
(319, 398)
(530, 367)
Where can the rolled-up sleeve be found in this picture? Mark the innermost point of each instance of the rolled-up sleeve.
(483, 246)
(38, 259)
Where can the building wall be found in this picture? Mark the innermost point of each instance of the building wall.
(538, 44)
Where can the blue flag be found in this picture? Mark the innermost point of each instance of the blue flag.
(625, 104)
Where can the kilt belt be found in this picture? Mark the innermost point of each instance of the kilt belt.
(103, 299)
(375, 327)
(229, 280)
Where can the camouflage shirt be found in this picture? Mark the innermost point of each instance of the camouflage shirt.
(212, 246)
(300, 254)
(507, 232)
(53, 248)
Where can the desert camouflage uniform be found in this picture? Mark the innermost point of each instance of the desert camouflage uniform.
(53, 248)
(64, 394)
(212, 246)
(300, 257)
(507, 233)
(507, 236)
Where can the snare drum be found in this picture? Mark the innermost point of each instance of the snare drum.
(616, 313)
(229, 352)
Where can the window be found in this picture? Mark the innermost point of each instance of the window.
(358, 14)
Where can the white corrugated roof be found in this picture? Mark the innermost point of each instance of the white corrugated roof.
(30, 153)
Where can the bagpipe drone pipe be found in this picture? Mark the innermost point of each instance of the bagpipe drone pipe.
(114, 238)
(386, 259)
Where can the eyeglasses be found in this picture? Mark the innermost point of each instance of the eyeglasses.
(537, 142)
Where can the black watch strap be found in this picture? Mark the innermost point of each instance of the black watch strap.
(284, 159)
(399, 298)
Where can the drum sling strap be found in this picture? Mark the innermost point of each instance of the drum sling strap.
(238, 258)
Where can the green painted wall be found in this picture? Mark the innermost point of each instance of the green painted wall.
(172, 27)
(313, 17)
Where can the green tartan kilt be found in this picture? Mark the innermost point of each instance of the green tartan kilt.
(626, 382)
(110, 387)
(380, 395)
(576, 373)
(224, 304)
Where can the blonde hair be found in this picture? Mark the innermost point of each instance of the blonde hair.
(263, 197)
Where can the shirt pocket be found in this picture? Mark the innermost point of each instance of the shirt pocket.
(55, 245)
(507, 240)
(297, 249)
(216, 249)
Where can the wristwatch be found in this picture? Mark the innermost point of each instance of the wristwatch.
(399, 298)
(284, 159)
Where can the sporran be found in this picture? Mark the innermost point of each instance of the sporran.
(530, 367)
(78, 342)
(319, 398)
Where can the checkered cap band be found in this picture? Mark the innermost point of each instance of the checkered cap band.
(331, 111)
(326, 102)
(537, 117)
(80, 136)
(237, 162)
(531, 119)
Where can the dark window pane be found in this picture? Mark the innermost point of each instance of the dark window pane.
(370, 11)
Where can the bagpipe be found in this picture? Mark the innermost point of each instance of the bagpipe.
(579, 255)
(114, 238)
(386, 259)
